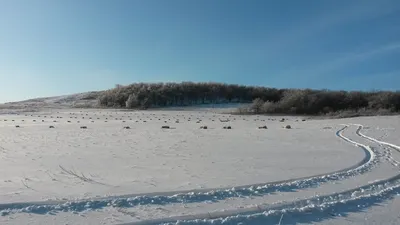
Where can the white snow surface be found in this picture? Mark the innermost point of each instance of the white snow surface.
(106, 174)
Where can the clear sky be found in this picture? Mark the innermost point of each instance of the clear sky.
(54, 47)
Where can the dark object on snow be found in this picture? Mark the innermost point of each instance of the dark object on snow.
(263, 127)
(83, 127)
(165, 127)
(127, 127)
(227, 127)
(204, 127)
(288, 127)
(51, 126)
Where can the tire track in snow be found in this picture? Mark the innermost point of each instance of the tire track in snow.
(300, 211)
(397, 148)
(389, 158)
(195, 196)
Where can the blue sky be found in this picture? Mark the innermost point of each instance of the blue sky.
(54, 47)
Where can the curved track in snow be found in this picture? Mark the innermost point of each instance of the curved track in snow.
(375, 140)
(305, 210)
(322, 206)
(198, 195)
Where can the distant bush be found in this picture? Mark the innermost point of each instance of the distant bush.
(265, 100)
(257, 105)
(132, 102)
(332, 103)
(142, 95)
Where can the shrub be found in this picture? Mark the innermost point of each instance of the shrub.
(257, 105)
(132, 102)
(265, 100)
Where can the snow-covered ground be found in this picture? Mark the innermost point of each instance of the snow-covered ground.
(106, 174)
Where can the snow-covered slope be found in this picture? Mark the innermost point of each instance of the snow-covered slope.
(81, 100)
(82, 166)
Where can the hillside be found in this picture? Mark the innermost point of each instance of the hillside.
(80, 100)
(265, 100)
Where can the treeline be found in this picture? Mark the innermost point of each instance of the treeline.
(265, 100)
(317, 102)
(146, 95)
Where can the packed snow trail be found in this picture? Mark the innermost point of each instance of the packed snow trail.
(305, 211)
(323, 206)
(196, 196)
(375, 140)
(389, 145)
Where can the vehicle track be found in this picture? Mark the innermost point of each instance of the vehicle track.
(305, 210)
(387, 146)
(395, 147)
(199, 195)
